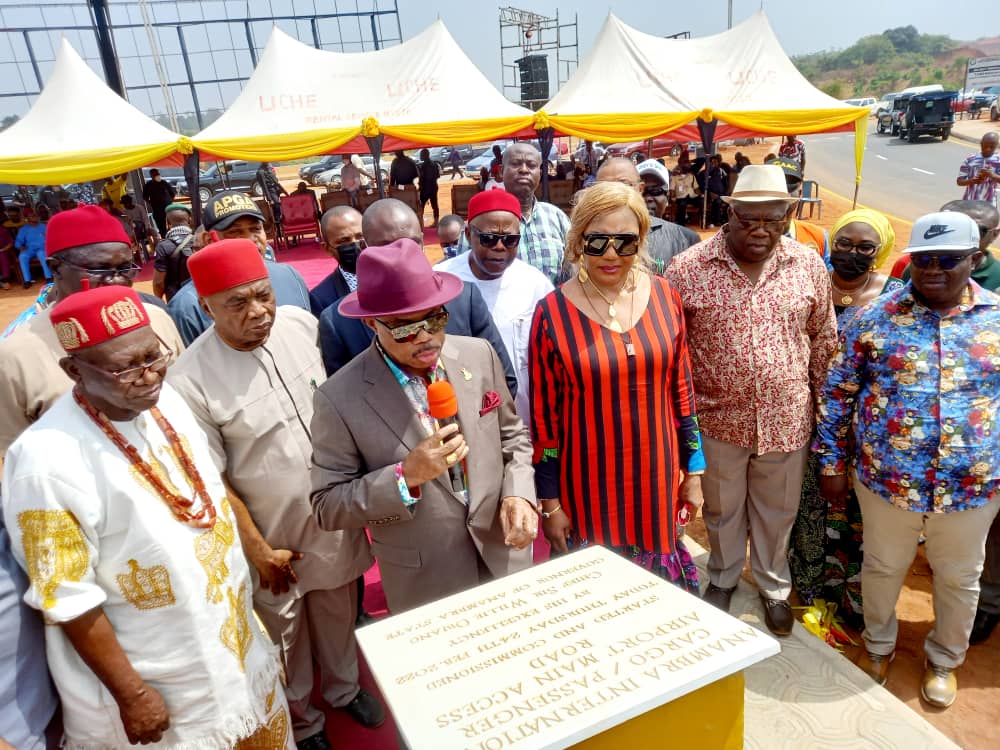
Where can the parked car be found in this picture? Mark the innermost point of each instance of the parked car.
(331, 177)
(864, 101)
(309, 171)
(639, 151)
(442, 154)
(227, 175)
(888, 118)
(928, 114)
(986, 99)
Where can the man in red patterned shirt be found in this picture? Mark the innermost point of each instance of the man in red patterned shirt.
(761, 329)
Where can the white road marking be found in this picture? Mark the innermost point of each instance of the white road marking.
(883, 158)
(922, 171)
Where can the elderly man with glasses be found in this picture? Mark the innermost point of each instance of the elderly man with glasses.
(510, 287)
(761, 328)
(128, 541)
(381, 459)
(86, 247)
(907, 415)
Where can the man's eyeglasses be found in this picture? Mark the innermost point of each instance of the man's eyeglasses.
(865, 248)
(132, 375)
(597, 243)
(654, 192)
(490, 239)
(125, 271)
(768, 225)
(404, 334)
(944, 262)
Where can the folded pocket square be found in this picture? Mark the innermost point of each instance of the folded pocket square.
(491, 401)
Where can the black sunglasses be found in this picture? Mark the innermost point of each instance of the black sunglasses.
(490, 239)
(654, 192)
(404, 334)
(865, 248)
(944, 262)
(597, 243)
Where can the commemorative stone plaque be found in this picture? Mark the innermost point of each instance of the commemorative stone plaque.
(552, 656)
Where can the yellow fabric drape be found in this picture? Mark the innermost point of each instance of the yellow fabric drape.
(616, 128)
(279, 146)
(449, 133)
(80, 166)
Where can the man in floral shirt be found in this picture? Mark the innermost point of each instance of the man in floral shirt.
(761, 329)
(917, 374)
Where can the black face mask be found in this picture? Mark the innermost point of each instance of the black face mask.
(348, 254)
(850, 265)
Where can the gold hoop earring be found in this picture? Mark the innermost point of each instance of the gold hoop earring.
(582, 275)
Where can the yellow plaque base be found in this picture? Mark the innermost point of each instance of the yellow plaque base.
(709, 717)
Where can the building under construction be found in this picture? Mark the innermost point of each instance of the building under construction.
(179, 61)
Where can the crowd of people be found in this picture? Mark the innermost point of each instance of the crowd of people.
(220, 462)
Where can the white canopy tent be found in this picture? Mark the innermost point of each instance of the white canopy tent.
(634, 86)
(79, 129)
(302, 101)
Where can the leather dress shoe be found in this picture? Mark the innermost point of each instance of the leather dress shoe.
(875, 666)
(983, 626)
(939, 686)
(718, 597)
(363, 619)
(366, 710)
(316, 741)
(777, 615)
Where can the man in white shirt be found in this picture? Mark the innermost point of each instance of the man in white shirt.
(511, 287)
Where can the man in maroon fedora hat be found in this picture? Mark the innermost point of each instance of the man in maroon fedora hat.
(447, 506)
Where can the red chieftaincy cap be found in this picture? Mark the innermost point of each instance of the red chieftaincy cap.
(224, 265)
(86, 225)
(93, 316)
(493, 200)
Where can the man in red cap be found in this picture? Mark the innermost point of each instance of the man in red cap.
(510, 287)
(381, 461)
(249, 381)
(85, 243)
(129, 544)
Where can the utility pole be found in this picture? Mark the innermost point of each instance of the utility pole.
(730, 15)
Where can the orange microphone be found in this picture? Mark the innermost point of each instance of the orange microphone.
(443, 406)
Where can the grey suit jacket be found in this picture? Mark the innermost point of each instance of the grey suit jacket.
(363, 425)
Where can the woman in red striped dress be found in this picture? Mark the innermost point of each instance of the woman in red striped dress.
(617, 448)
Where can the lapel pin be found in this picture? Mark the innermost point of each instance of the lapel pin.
(466, 374)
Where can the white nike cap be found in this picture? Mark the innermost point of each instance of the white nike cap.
(943, 231)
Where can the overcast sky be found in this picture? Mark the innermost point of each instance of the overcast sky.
(801, 25)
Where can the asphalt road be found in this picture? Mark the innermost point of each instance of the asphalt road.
(900, 178)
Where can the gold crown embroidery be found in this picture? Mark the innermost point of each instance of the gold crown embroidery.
(235, 633)
(120, 316)
(71, 334)
(146, 588)
(271, 736)
(211, 549)
(54, 550)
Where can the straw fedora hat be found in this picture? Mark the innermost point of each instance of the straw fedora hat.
(760, 183)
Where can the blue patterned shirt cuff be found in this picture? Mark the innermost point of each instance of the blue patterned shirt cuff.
(405, 495)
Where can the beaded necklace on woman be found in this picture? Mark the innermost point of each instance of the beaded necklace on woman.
(179, 506)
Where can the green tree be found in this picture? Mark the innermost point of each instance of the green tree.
(903, 38)
(834, 89)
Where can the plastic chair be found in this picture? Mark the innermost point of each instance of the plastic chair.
(810, 195)
(298, 215)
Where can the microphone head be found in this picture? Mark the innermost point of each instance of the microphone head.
(441, 401)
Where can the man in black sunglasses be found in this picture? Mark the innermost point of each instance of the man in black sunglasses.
(341, 338)
(86, 245)
(915, 382)
(666, 239)
(987, 218)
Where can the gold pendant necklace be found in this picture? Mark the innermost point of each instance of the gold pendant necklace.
(614, 324)
(846, 298)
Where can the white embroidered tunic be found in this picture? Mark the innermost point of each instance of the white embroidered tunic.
(91, 532)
